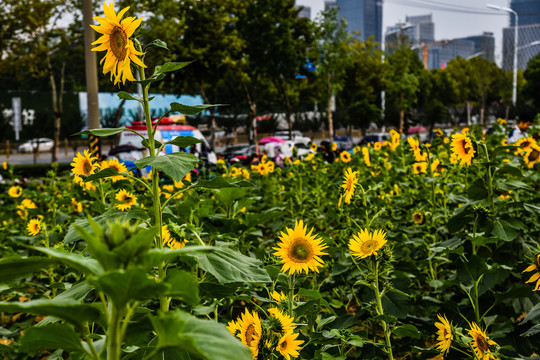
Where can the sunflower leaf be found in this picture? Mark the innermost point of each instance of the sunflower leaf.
(156, 43)
(176, 165)
(204, 339)
(184, 141)
(191, 110)
(101, 132)
(52, 336)
(171, 66)
(127, 96)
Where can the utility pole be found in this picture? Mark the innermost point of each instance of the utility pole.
(91, 67)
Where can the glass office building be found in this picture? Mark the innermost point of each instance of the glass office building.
(363, 16)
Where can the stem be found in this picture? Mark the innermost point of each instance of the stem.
(489, 179)
(114, 343)
(380, 311)
(476, 305)
(162, 271)
(291, 294)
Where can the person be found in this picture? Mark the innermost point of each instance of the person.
(519, 131)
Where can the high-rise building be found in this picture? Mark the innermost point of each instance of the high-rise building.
(422, 28)
(441, 52)
(484, 45)
(305, 11)
(528, 45)
(364, 16)
(528, 12)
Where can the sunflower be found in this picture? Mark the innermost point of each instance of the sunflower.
(169, 240)
(127, 200)
(481, 342)
(250, 331)
(288, 345)
(278, 296)
(532, 155)
(414, 143)
(345, 156)
(419, 167)
(118, 166)
(444, 333)
(463, 148)
(438, 132)
(28, 204)
(116, 41)
(356, 149)
(365, 244)
(418, 217)
(15, 191)
(234, 327)
(83, 164)
(33, 227)
(5, 165)
(420, 156)
(377, 146)
(299, 250)
(313, 147)
(85, 185)
(77, 205)
(333, 146)
(310, 157)
(436, 167)
(536, 275)
(396, 138)
(283, 323)
(365, 152)
(349, 184)
(524, 144)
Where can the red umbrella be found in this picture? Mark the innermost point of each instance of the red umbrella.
(271, 139)
(416, 129)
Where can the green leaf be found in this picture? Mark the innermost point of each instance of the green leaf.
(127, 96)
(509, 184)
(407, 330)
(531, 208)
(52, 336)
(476, 267)
(156, 43)
(66, 309)
(182, 285)
(101, 132)
(184, 141)
(146, 144)
(156, 256)
(14, 268)
(229, 266)
(395, 304)
(105, 173)
(191, 110)
(80, 262)
(477, 190)
(131, 284)
(532, 331)
(219, 182)
(171, 66)
(204, 339)
(504, 231)
(533, 315)
(110, 215)
(176, 165)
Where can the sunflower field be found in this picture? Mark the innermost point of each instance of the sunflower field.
(400, 250)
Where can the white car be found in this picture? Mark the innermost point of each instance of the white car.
(297, 136)
(45, 144)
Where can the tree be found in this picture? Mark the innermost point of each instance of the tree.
(531, 89)
(40, 47)
(402, 80)
(486, 80)
(332, 51)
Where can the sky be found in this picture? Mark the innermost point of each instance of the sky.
(448, 25)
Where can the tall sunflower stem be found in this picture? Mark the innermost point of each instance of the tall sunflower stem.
(380, 311)
(489, 179)
(291, 294)
(162, 270)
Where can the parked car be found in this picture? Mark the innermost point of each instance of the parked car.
(344, 142)
(297, 136)
(45, 144)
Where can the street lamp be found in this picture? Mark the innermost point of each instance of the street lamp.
(475, 55)
(508, 10)
(534, 43)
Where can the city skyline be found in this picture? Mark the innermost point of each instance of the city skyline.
(448, 25)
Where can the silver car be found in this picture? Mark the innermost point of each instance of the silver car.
(45, 144)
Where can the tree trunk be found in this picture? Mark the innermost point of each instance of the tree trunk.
(212, 117)
(330, 119)
(288, 110)
(507, 112)
(252, 114)
(482, 120)
(56, 104)
(401, 120)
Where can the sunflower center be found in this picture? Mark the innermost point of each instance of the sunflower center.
(250, 331)
(118, 43)
(533, 156)
(87, 167)
(283, 345)
(465, 146)
(300, 251)
(368, 246)
(127, 199)
(537, 262)
(350, 182)
(525, 144)
(482, 344)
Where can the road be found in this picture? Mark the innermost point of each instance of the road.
(44, 157)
